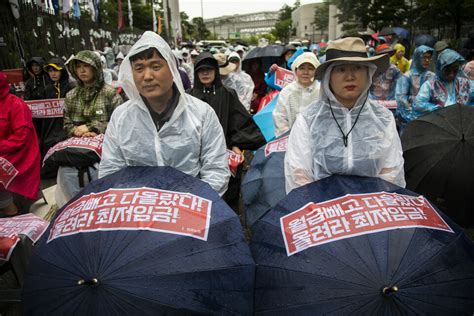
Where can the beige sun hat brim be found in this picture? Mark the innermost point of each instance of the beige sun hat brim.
(224, 71)
(382, 62)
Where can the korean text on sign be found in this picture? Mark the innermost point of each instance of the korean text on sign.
(283, 77)
(8, 172)
(235, 160)
(91, 143)
(278, 145)
(46, 108)
(356, 214)
(136, 209)
(29, 225)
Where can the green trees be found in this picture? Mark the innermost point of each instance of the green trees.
(283, 28)
(357, 15)
(321, 17)
(373, 14)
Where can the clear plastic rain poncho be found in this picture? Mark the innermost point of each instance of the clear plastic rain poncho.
(241, 82)
(316, 148)
(438, 92)
(192, 141)
(409, 84)
(292, 100)
(384, 85)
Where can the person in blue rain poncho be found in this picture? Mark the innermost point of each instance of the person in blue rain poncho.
(409, 84)
(447, 88)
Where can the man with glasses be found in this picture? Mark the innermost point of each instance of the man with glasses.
(408, 85)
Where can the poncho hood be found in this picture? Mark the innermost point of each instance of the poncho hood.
(148, 40)
(416, 63)
(445, 58)
(209, 60)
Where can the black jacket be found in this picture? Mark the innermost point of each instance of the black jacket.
(58, 90)
(35, 86)
(239, 128)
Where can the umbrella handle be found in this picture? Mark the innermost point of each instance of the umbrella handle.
(94, 281)
(389, 290)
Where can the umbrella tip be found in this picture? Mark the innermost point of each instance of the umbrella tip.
(94, 281)
(389, 290)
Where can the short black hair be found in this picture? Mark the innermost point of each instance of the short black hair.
(146, 54)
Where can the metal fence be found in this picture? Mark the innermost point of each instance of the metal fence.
(40, 33)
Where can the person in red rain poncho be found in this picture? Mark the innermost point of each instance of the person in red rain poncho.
(19, 154)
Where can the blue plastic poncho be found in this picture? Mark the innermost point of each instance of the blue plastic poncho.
(384, 85)
(438, 92)
(409, 84)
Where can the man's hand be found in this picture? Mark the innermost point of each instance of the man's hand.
(80, 130)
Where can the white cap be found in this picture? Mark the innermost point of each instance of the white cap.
(234, 54)
(239, 48)
(307, 57)
(120, 56)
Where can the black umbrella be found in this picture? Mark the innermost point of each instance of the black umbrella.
(406, 270)
(267, 51)
(439, 160)
(386, 31)
(264, 183)
(96, 259)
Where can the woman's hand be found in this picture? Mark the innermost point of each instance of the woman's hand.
(80, 130)
(89, 134)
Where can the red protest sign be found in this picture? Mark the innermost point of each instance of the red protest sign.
(278, 145)
(7, 245)
(235, 160)
(15, 78)
(135, 209)
(389, 104)
(29, 225)
(356, 214)
(91, 143)
(283, 77)
(8, 172)
(46, 108)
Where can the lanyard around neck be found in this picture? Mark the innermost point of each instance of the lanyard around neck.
(345, 136)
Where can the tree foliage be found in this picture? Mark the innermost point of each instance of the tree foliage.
(200, 30)
(357, 15)
(283, 28)
(373, 14)
(187, 28)
(321, 16)
(439, 14)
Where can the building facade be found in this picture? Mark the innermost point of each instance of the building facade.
(242, 25)
(303, 23)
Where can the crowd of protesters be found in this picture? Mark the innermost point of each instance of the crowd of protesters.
(186, 108)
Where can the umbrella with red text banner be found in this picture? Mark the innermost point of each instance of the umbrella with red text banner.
(264, 183)
(348, 245)
(142, 241)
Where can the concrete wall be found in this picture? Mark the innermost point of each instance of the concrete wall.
(303, 18)
(242, 25)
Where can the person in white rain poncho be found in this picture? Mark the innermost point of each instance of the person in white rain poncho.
(298, 95)
(232, 80)
(344, 132)
(245, 83)
(161, 125)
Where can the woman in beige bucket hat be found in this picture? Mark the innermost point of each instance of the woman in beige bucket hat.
(344, 132)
